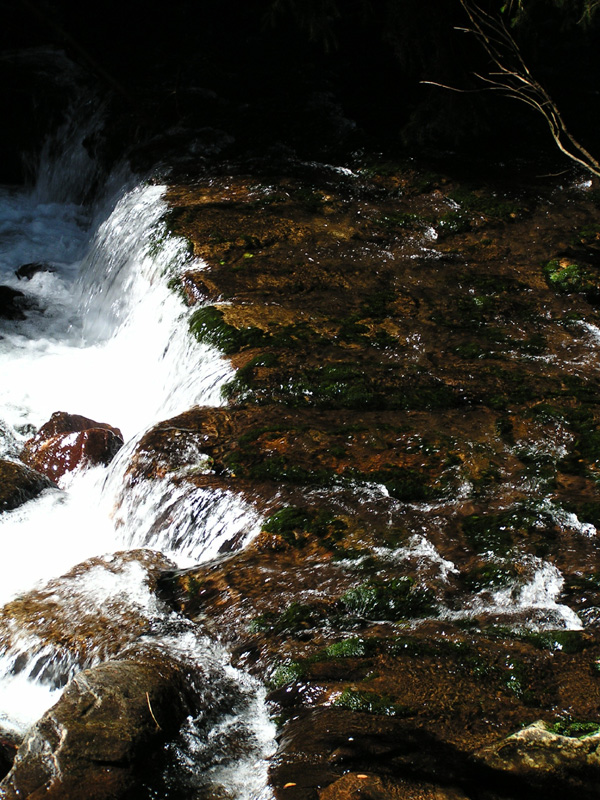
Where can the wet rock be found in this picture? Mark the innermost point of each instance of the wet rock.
(62, 422)
(27, 271)
(68, 442)
(12, 303)
(104, 735)
(9, 744)
(410, 382)
(89, 614)
(538, 754)
(364, 786)
(19, 483)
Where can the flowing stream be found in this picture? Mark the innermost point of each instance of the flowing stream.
(104, 337)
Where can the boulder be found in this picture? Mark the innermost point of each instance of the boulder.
(27, 271)
(69, 441)
(19, 483)
(104, 735)
(543, 757)
(91, 613)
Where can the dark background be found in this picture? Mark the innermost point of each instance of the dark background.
(317, 78)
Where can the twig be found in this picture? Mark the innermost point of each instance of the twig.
(152, 712)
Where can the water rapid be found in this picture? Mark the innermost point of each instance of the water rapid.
(103, 336)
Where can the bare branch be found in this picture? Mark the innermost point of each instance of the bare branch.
(510, 75)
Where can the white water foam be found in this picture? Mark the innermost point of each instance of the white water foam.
(534, 602)
(109, 341)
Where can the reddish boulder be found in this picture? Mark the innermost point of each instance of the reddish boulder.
(69, 441)
(62, 422)
(18, 484)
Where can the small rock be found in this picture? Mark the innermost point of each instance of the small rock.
(18, 484)
(27, 271)
(69, 441)
(62, 422)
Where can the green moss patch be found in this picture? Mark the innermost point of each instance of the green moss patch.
(296, 617)
(572, 278)
(293, 525)
(395, 599)
(370, 703)
(208, 326)
(498, 533)
(576, 729)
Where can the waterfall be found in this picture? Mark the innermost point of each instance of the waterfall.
(105, 337)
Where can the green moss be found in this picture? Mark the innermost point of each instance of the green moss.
(572, 278)
(488, 576)
(497, 533)
(453, 222)
(517, 679)
(310, 200)
(408, 221)
(294, 618)
(576, 729)
(403, 483)
(570, 642)
(488, 205)
(353, 647)
(395, 599)
(286, 673)
(269, 467)
(208, 325)
(370, 703)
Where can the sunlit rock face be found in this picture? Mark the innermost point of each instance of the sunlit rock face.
(69, 441)
(18, 484)
(88, 614)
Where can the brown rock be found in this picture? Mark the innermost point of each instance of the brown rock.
(18, 484)
(62, 422)
(537, 754)
(72, 628)
(68, 451)
(363, 786)
(102, 736)
(69, 441)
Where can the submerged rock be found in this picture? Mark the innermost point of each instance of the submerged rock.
(105, 733)
(70, 441)
(18, 484)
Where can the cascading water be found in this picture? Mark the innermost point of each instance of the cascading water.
(103, 336)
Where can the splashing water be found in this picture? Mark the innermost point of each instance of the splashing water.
(105, 337)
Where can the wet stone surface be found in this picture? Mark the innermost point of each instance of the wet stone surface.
(416, 414)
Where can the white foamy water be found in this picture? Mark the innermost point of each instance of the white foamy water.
(534, 602)
(105, 337)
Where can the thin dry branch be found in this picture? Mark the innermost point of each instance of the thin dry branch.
(510, 75)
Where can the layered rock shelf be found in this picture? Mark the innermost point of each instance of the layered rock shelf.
(415, 412)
